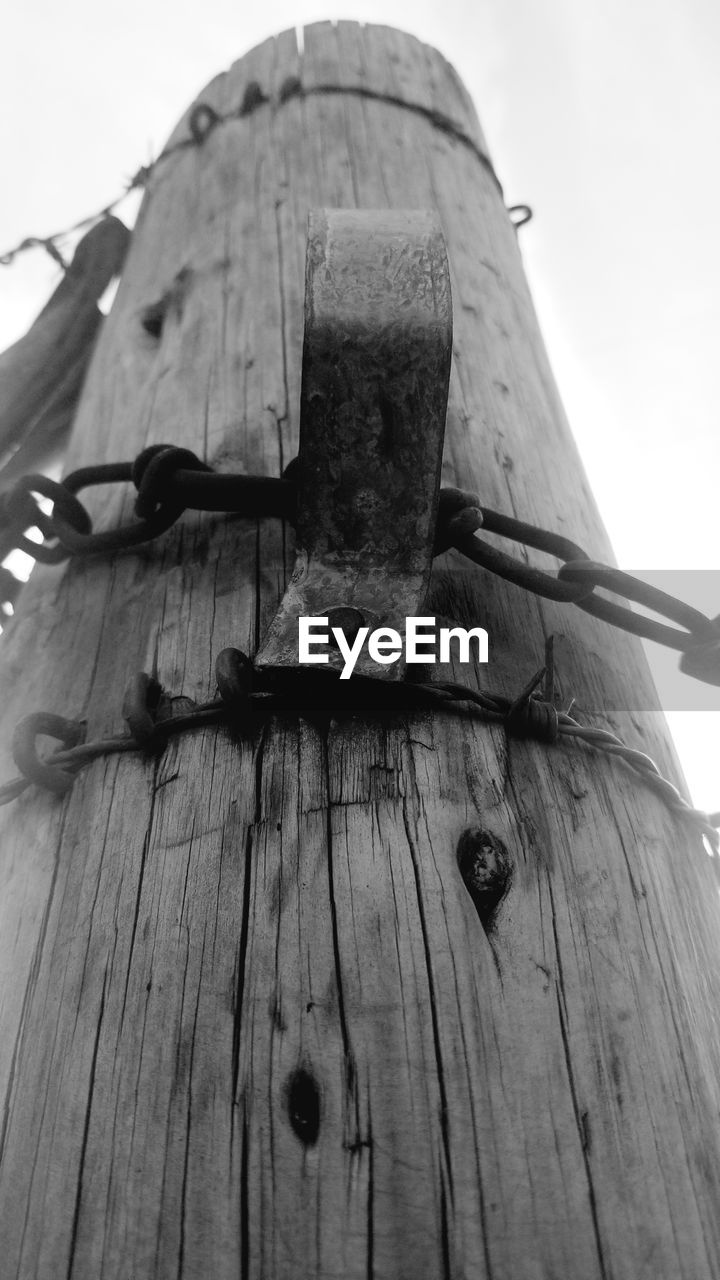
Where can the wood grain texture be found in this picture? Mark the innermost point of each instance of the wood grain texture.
(201, 952)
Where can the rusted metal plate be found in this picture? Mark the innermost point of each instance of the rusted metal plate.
(376, 368)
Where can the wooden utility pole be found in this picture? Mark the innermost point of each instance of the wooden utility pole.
(252, 1024)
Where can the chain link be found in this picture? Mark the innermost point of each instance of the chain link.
(696, 636)
(169, 480)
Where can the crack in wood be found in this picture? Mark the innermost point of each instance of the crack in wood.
(239, 986)
(86, 1131)
(581, 1117)
(437, 1039)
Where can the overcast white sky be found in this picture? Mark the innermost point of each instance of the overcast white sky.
(602, 114)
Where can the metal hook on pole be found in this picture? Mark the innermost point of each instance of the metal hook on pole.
(375, 375)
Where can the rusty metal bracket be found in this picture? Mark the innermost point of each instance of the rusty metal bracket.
(375, 375)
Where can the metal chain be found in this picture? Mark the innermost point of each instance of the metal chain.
(696, 636)
(170, 480)
(148, 714)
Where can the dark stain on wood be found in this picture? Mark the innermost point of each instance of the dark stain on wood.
(303, 1106)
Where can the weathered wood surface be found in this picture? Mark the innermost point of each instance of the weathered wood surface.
(180, 936)
(41, 375)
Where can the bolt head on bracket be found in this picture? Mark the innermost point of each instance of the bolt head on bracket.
(375, 375)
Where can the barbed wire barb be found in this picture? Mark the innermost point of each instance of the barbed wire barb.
(148, 715)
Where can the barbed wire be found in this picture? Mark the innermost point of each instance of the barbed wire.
(170, 480)
(148, 714)
(50, 243)
(203, 119)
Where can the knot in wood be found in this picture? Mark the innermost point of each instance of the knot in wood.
(303, 1104)
(486, 869)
